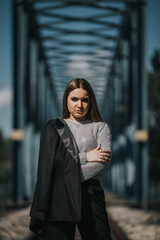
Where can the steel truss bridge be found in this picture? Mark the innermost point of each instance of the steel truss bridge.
(102, 41)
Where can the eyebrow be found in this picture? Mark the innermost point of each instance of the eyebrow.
(77, 97)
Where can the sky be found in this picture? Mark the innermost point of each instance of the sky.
(6, 67)
(6, 76)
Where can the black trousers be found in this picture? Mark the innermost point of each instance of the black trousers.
(94, 222)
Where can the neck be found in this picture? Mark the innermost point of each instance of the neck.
(76, 119)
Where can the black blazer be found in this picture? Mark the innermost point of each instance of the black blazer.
(57, 195)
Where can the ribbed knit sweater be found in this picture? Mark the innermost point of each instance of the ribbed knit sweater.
(89, 135)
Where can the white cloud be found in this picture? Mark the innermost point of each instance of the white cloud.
(6, 96)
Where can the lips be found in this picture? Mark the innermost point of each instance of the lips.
(78, 111)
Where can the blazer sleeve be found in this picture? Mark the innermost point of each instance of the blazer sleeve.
(45, 174)
(45, 177)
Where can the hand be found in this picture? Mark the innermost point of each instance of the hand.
(97, 155)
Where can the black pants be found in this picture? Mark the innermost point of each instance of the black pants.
(94, 222)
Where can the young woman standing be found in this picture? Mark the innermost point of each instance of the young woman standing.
(74, 151)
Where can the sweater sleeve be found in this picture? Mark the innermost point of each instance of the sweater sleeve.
(91, 169)
(83, 158)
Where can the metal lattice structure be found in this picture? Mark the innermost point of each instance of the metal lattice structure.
(102, 41)
(79, 39)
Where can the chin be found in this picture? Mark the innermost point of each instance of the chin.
(80, 117)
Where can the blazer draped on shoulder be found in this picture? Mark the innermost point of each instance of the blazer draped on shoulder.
(57, 195)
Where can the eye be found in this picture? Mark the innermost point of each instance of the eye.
(85, 100)
(74, 99)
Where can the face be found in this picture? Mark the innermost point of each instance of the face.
(78, 104)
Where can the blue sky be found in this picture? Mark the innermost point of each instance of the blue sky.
(152, 43)
(5, 67)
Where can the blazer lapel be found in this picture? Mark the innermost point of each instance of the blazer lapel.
(67, 138)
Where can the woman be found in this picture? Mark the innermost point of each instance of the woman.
(74, 150)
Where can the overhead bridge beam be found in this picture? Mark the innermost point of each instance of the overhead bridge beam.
(89, 19)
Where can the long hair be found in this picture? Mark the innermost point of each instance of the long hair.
(93, 112)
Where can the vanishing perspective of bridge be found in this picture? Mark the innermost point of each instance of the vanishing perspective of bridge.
(101, 41)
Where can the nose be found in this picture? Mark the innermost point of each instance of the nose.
(79, 104)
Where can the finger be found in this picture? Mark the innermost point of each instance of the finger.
(101, 160)
(99, 146)
(106, 151)
(105, 154)
(105, 158)
(104, 161)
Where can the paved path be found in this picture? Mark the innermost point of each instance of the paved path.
(135, 224)
(14, 226)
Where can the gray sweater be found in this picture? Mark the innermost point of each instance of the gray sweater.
(89, 135)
